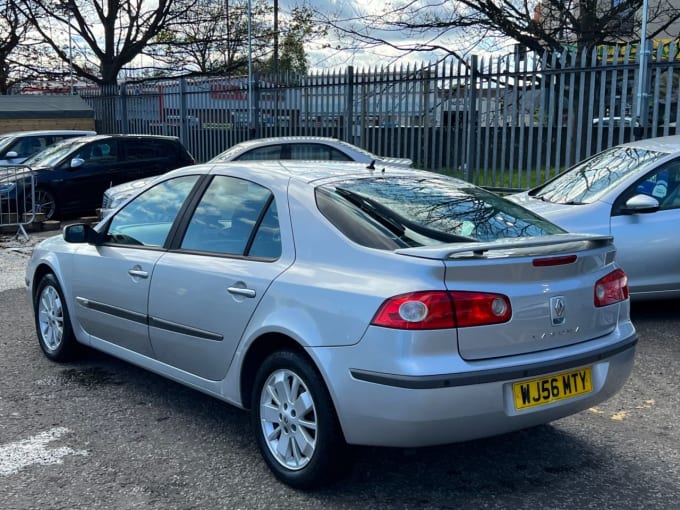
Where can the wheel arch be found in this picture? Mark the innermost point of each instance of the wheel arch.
(258, 352)
(38, 275)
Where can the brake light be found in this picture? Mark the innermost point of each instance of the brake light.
(611, 289)
(441, 310)
(554, 261)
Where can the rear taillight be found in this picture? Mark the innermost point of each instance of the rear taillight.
(480, 308)
(611, 289)
(441, 310)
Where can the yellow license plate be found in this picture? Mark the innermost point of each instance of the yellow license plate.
(544, 390)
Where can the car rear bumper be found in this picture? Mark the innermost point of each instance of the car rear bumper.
(411, 411)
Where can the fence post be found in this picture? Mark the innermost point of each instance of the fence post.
(640, 130)
(183, 112)
(427, 124)
(123, 109)
(470, 150)
(255, 128)
(349, 105)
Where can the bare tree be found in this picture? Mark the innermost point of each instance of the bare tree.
(114, 32)
(213, 37)
(298, 28)
(446, 27)
(13, 28)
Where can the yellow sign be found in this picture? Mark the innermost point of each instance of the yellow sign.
(545, 390)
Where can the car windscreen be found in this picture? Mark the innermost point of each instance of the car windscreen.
(588, 180)
(54, 153)
(5, 142)
(403, 211)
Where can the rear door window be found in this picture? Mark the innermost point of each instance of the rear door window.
(148, 149)
(316, 151)
(235, 217)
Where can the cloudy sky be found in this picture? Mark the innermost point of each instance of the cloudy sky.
(339, 53)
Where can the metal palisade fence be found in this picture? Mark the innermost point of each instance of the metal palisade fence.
(501, 122)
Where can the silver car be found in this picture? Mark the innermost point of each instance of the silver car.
(343, 305)
(18, 146)
(318, 148)
(631, 192)
(311, 148)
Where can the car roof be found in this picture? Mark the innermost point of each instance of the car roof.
(264, 142)
(287, 139)
(667, 144)
(129, 137)
(316, 171)
(48, 132)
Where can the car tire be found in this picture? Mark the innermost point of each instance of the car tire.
(295, 422)
(52, 322)
(45, 203)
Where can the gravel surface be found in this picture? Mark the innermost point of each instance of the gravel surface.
(14, 254)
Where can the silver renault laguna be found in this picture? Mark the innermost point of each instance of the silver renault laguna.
(343, 305)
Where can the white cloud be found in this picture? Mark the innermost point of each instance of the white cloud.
(339, 53)
(334, 52)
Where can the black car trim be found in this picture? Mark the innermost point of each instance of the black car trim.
(494, 375)
(184, 330)
(179, 226)
(149, 321)
(113, 310)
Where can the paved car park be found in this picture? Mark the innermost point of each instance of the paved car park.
(100, 433)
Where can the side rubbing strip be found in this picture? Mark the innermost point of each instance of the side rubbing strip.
(112, 310)
(143, 319)
(184, 330)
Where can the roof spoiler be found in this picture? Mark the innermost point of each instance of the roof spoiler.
(478, 249)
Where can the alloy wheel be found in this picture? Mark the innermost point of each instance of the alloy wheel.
(51, 318)
(288, 418)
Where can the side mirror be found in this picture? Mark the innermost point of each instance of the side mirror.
(76, 162)
(11, 155)
(80, 233)
(641, 204)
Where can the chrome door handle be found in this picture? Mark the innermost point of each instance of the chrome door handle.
(240, 291)
(138, 273)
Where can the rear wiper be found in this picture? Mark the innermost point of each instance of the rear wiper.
(397, 224)
(373, 210)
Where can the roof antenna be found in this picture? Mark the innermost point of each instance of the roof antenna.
(371, 165)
